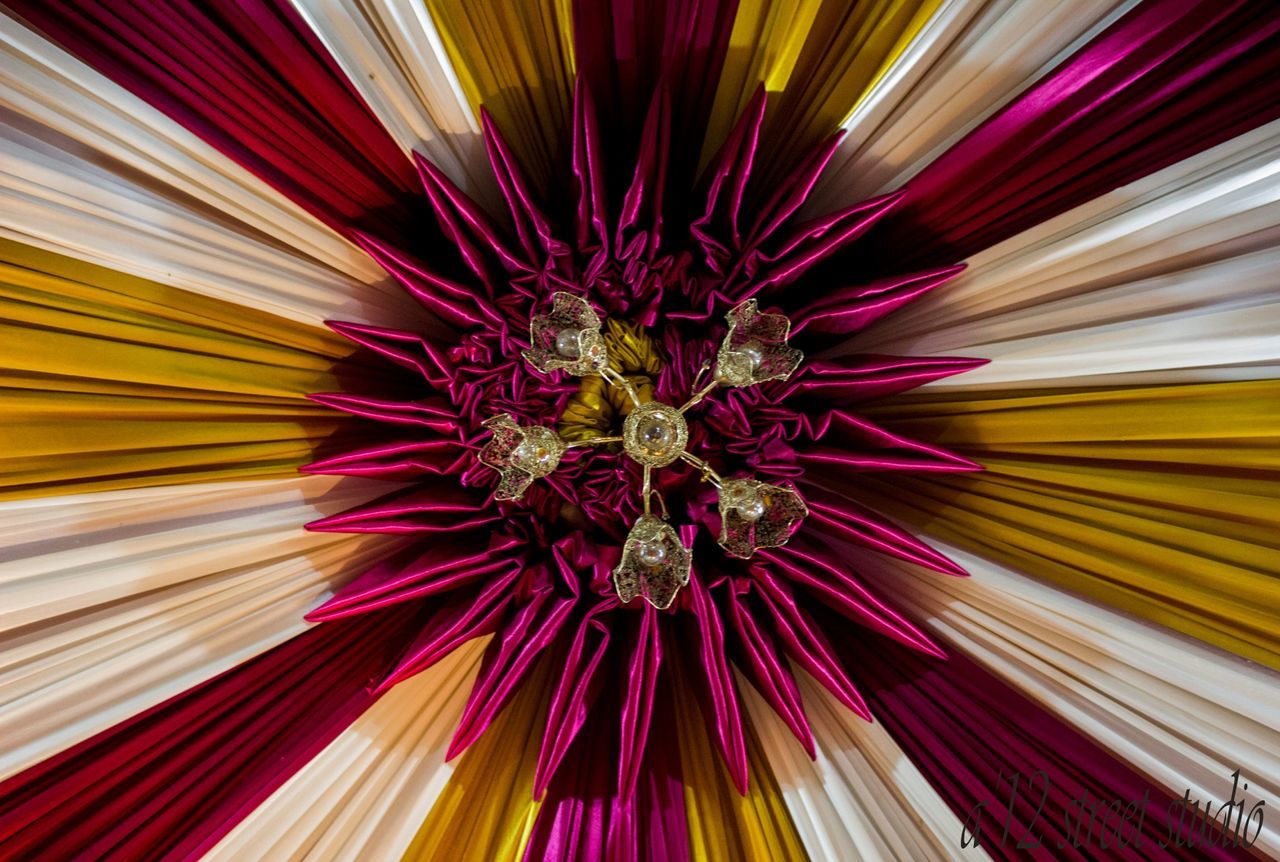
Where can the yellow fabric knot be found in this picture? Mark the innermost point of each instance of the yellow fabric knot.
(597, 409)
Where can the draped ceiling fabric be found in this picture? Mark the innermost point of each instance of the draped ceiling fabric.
(1083, 193)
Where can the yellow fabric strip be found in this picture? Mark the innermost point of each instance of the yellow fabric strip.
(515, 59)
(722, 823)
(486, 811)
(112, 381)
(1162, 500)
(817, 58)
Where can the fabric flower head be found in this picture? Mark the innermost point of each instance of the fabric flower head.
(699, 460)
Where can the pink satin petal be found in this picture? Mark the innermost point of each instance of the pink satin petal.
(643, 663)
(407, 349)
(434, 505)
(819, 570)
(768, 670)
(443, 566)
(847, 310)
(435, 414)
(730, 172)
(507, 660)
(715, 680)
(575, 692)
(806, 643)
(835, 515)
(400, 461)
(848, 443)
(529, 219)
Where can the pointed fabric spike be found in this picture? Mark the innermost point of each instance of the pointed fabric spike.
(839, 517)
(575, 692)
(529, 219)
(793, 191)
(444, 566)
(508, 659)
(640, 218)
(434, 506)
(470, 230)
(403, 348)
(399, 461)
(806, 643)
(171, 781)
(850, 444)
(435, 414)
(639, 689)
(730, 172)
(848, 310)
(588, 169)
(459, 616)
(813, 242)
(709, 665)
(454, 303)
(862, 377)
(824, 574)
(767, 669)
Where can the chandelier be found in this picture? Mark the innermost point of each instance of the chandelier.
(655, 564)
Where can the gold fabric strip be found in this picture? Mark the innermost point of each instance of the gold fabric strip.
(515, 59)
(1160, 500)
(817, 58)
(111, 381)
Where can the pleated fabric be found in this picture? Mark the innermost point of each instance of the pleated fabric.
(969, 60)
(395, 58)
(366, 795)
(516, 61)
(252, 80)
(97, 135)
(1167, 279)
(112, 381)
(1159, 500)
(860, 797)
(174, 779)
(1185, 715)
(820, 56)
(115, 601)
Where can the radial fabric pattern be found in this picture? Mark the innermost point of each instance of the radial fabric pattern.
(569, 430)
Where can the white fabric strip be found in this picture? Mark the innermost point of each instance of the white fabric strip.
(968, 62)
(366, 795)
(862, 797)
(114, 601)
(1168, 279)
(91, 171)
(393, 54)
(1182, 713)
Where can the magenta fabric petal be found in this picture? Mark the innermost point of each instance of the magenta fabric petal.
(407, 349)
(400, 461)
(508, 659)
(718, 230)
(851, 445)
(434, 414)
(446, 565)
(576, 690)
(723, 709)
(765, 666)
(437, 505)
(841, 518)
(854, 379)
(848, 310)
(639, 690)
(826, 575)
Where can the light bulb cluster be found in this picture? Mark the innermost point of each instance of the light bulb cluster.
(655, 564)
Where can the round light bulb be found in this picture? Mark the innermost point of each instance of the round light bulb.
(567, 343)
(754, 351)
(656, 434)
(651, 553)
(751, 510)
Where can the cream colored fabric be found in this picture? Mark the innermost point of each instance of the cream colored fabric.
(393, 54)
(862, 797)
(112, 602)
(365, 796)
(1168, 279)
(1184, 714)
(88, 170)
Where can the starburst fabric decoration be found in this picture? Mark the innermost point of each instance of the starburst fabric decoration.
(681, 361)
